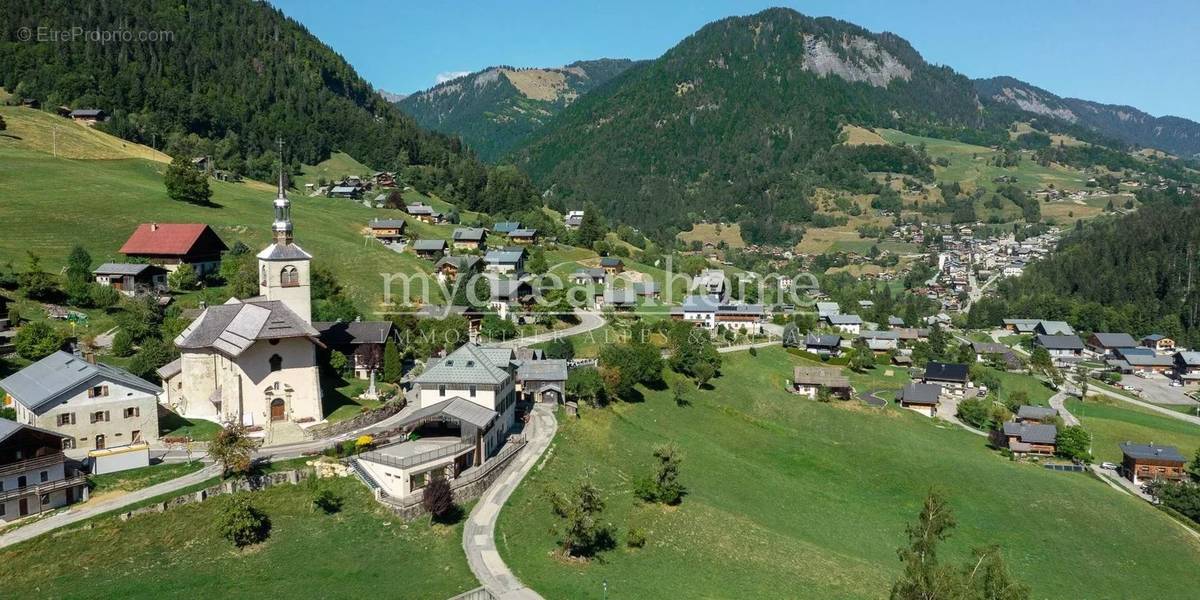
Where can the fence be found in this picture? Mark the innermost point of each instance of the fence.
(475, 594)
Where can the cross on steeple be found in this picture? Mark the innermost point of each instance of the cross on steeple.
(281, 229)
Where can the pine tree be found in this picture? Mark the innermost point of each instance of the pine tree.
(391, 362)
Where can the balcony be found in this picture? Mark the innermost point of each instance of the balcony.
(32, 464)
(43, 488)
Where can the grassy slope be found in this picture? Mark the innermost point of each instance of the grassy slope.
(338, 165)
(136, 479)
(1112, 422)
(45, 132)
(358, 552)
(790, 498)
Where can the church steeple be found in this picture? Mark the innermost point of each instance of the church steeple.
(281, 229)
(283, 267)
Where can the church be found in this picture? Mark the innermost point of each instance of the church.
(254, 361)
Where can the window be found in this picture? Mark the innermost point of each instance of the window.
(2, 509)
(471, 390)
(22, 482)
(66, 419)
(100, 416)
(45, 499)
(98, 391)
(442, 389)
(289, 277)
(44, 476)
(276, 362)
(68, 444)
(136, 435)
(262, 275)
(132, 412)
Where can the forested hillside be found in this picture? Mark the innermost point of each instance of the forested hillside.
(495, 109)
(1125, 123)
(1139, 273)
(237, 74)
(740, 117)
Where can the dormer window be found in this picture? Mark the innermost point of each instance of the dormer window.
(289, 277)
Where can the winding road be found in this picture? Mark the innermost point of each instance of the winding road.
(588, 321)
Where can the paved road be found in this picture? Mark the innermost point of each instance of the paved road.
(1057, 402)
(588, 321)
(479, 534)
(90, 509)
(1095, 389)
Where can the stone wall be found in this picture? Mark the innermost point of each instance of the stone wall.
(365, 419)
(247, 484)
(464, 489)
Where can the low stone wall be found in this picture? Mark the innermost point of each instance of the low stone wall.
(365, 419)
(464, 489)
(247, 484)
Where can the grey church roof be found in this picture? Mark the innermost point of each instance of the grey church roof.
(233, 327)
(60, 374)
(283, 252)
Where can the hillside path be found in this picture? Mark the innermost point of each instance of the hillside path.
(588, 321)
(479, 534)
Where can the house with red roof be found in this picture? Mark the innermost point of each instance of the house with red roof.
(172, 244)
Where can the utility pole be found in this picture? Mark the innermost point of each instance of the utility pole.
(56, 140)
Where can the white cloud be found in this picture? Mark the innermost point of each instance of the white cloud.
(445, 76)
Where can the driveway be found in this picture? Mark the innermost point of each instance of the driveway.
(588, 321)
(1157, 389)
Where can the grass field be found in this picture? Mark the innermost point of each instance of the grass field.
(1112, 421)
(730, 233)
(789, 498)
(362, 551)
(173, 425)
(338, 165)
(136, 479)
(48, 133)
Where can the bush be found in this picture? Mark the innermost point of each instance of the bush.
(122, 344)
(636, 537)
(327, 502)
(438, 499)
(364, 443)
(37, 340)
(241, 523)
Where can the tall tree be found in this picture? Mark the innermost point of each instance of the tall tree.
(186, 183)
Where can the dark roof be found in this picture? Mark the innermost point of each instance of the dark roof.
(9, 428)
(234, 326)
(1032, 433)
(522, 233)
(62, 373)
(920, 393)
(822, 341)
(610, 261)
(946, 372)
(469, 234)
(1151, 451)
(542, 370)
(171, 239)
(822, 376)
(134, 269)
(457, 408)
(388, 223)
(1115, 340)
(434, 245)
(1059, 342)
(1036, 413)
(87, 112)
(506, 226)
(337, 333)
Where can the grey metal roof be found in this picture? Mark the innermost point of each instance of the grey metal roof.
(946, 372)
(233, 327)
(620, 296)
(121, 269)
(419, 209)
(388, 223)
(466, 365)
(429, 245)
(469, 234)
(828, 308)
(844, 319)
(506, 226)
(1151, 451)
(1149, 360)
(610, 261)
(62, 374)
(593, 273)
(1190, 359)
(824, 376)
(462, 263)
(880, 335)
(170, 369)
(822, 341)
(1115, 340)
(508, 256)
(1036, 413)
(283, 252)
(1059, 342)
(895, 321)
(1032, 433)
(8, 428)
(646, 288)
(522, 233)
(343, 189)
(701, 303)
(920, 393)
(338, 333)
(506, 289)
(457, 408)
(542, 370)
(1055, 328)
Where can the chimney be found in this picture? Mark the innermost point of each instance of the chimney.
(89, 355)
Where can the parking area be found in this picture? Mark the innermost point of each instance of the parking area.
(1157, 389)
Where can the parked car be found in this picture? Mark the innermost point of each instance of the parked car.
(1175, 383)
(1108, 465)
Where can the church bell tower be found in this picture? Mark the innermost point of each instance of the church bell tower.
(284, 267)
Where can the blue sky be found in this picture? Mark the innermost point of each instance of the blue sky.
(1140, 54)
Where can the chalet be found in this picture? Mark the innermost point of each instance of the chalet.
(388, 231)
(1148, 462)
(1107, 344)
(1142, 360)
(425, 213)
(34, 474)
(622, 299)
(880, 341)
(524, 237)
(573, 219)
(542, 380)
(506, 227)
(851, 324)
(1021, 325)
(88, 116)
(711, 313)
(464, 406)
(1030, 438)
(509, 261)
(448, 268)
(920, 397)
(509, 293)
(469, 238)
(902, 360)
(429, 248)
(823, 345)
(345, 191)
(384, 179)
(646, 289)
(1035, 414)
(909, 335)
(612, 265)
(172, 244)
(895, 322)
(1056, 328)
(866, 304)
(593, 275)
(131, 279)
(361, 341)
(96, 406)
(203, 164)
(952, 377)
(711, 282)
(1159, 343)
(825, 309)
(1062, 348)
(809, 381)
(31, 103)
(1187, 366)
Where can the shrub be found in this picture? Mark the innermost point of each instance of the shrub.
(636, 537)
(37, 340)
(363, 443)
(122, 344)
(241, 523)
(327, 502)
(438, 499)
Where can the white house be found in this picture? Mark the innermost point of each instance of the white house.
(851, 324)
(34, 475)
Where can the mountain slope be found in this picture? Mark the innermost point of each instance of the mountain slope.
(1126, 123)
(730, 120)
(237, 74)
(493, 110)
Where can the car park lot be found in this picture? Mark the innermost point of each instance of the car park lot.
(1157, 389)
